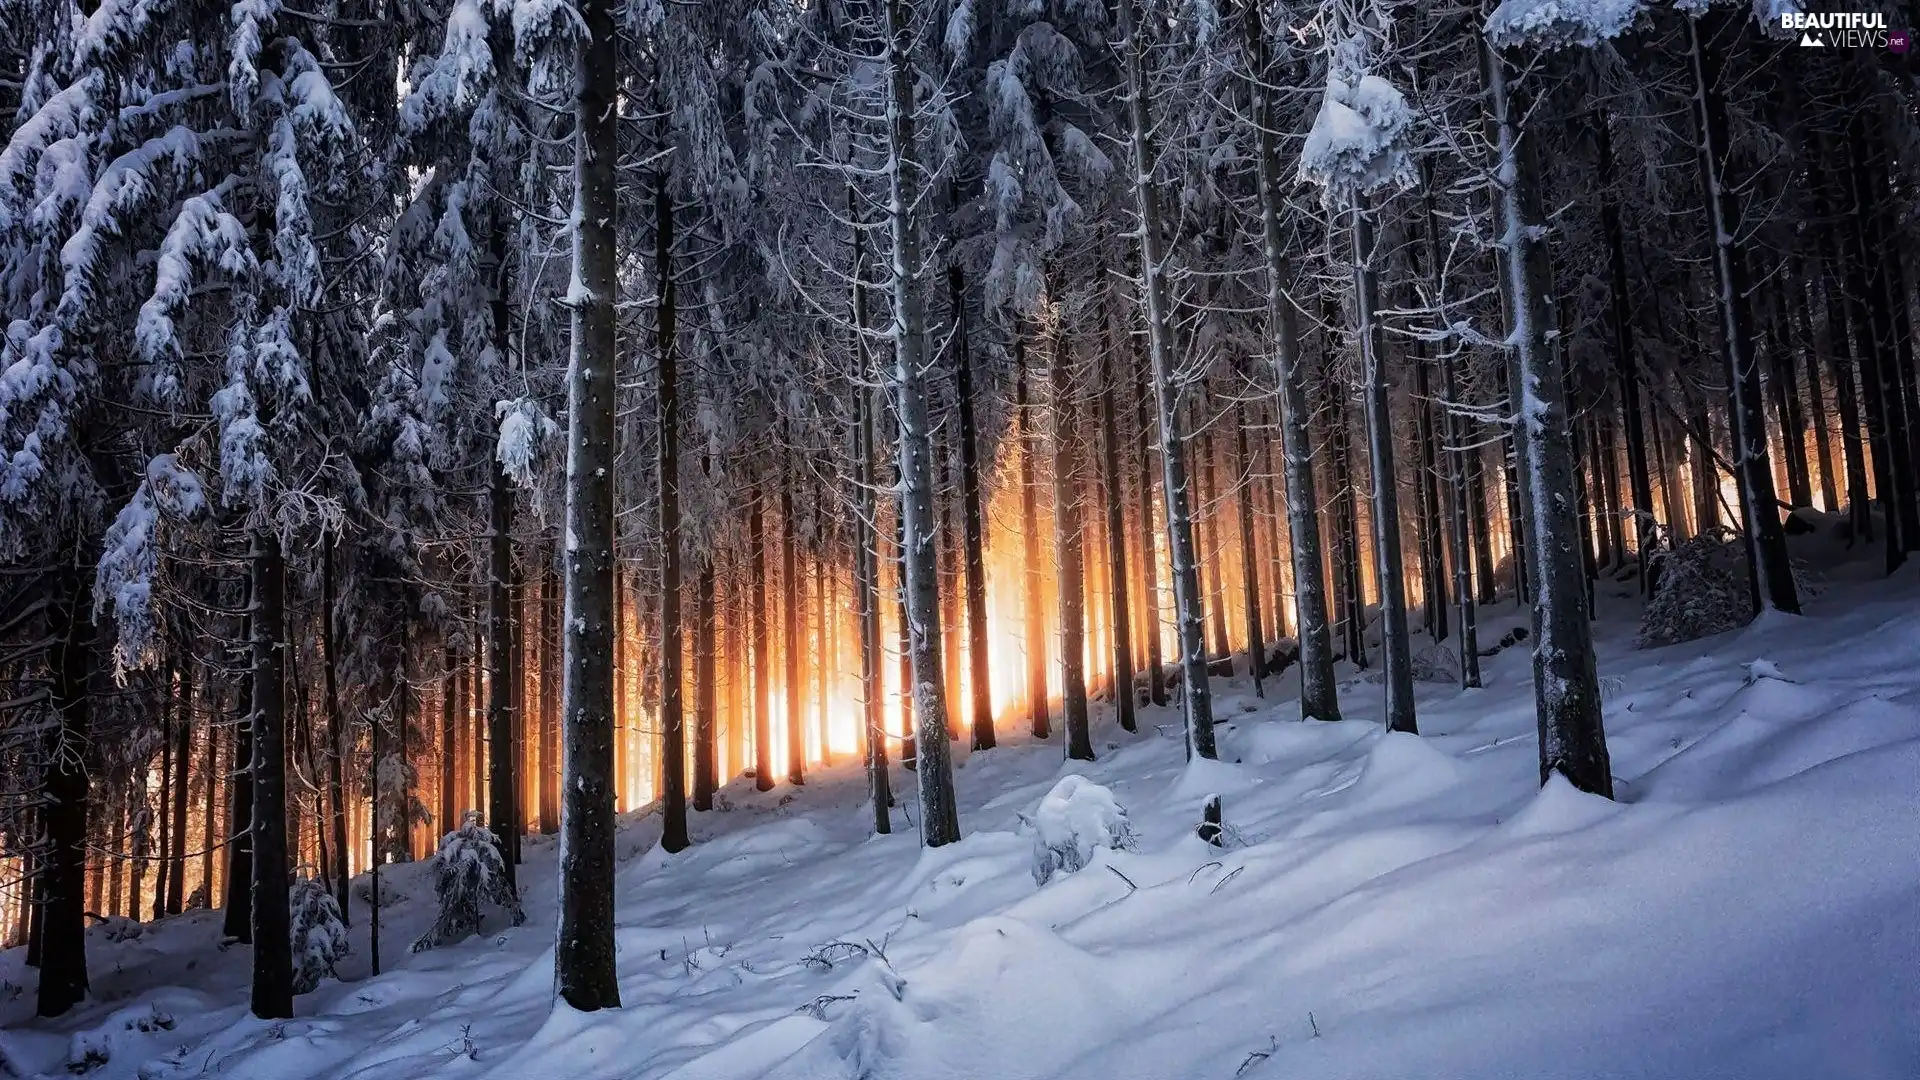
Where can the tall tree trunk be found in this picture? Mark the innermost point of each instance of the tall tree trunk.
(939, 817)
(583, 956)
(973, 520)
(1351, 598)
(1766, 541)
(237, 923)
(1149, 557)
(1249, 560)
(550, 662)
(706, 723)
(1067, 540)
(272, 941)
(1566, 688)
(1395, 633)
(1319, 698)
(1212, 552)
(1801, 282)
(62, 932)
(182, 756)
(1033, 595)
(866, 549)
(502, 779)
(791, 645)
(762, 663)
(1114, 487)
(210, 802)
(1190, 608)
(673, 739)
(450, 684)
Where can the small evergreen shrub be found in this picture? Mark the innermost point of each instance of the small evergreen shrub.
(468, 872)
(1703, 591)
(319, 934)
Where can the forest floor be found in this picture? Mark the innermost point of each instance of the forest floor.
(1388, 907)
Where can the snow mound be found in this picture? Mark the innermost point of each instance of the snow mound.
(1404, 768)
(1559, 808)
(1075, 819)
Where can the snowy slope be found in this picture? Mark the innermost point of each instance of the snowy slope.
(1391, 907)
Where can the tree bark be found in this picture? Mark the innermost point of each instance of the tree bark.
(62, 931)
(583, 954)
(182, 756)
(1566, 688)
(762, 663)
(973, 521)
(792, 643)
(1067, 540)
(673, 739)
(1395, 633)
(272, 942)
(1114, 487)
(1033, 595)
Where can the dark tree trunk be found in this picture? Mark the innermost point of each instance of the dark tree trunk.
(1801, 284)
(979, 671)
(1034, 594)
(1114, 488)
(1068, 544)
(1566, 687)
(502, 765)
(584, 953)
(238, 920)
(866, 548)
(791, 641)
(551, 679)
(762, 663)
(1349, 599)
(1249, 561)
(63, 867)
(706, 713)
(1625, 359)
(673, 739)
(450, 684)
(272, 941)
(1149, 560)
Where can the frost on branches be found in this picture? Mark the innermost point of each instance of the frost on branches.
(131, 557)
(467, 873)
(1077, 818)
(1554, 24)
(1359, 141)
(319, 934)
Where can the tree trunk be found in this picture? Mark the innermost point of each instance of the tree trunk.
(973, 520)
(1149, 557)
(1116, 534)
(1033, 596)
(237, 922)
(1766, 542)
(272, 941)
(182, 756)
(1394, 630)
(866, 550)
(939, 817)
(791, 644)
(1190, 608)
(673, 739)
(1351, 598)
(1875, 333)
(64, 812)
(1067, 540)
(762, 663)
(1319, 698)
(1249, 552)
(1566, 688)
(583, 955)
(503, 782)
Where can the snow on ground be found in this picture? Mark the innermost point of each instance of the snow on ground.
(1389, 907)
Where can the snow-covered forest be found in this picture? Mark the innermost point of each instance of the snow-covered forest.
(450, 446)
